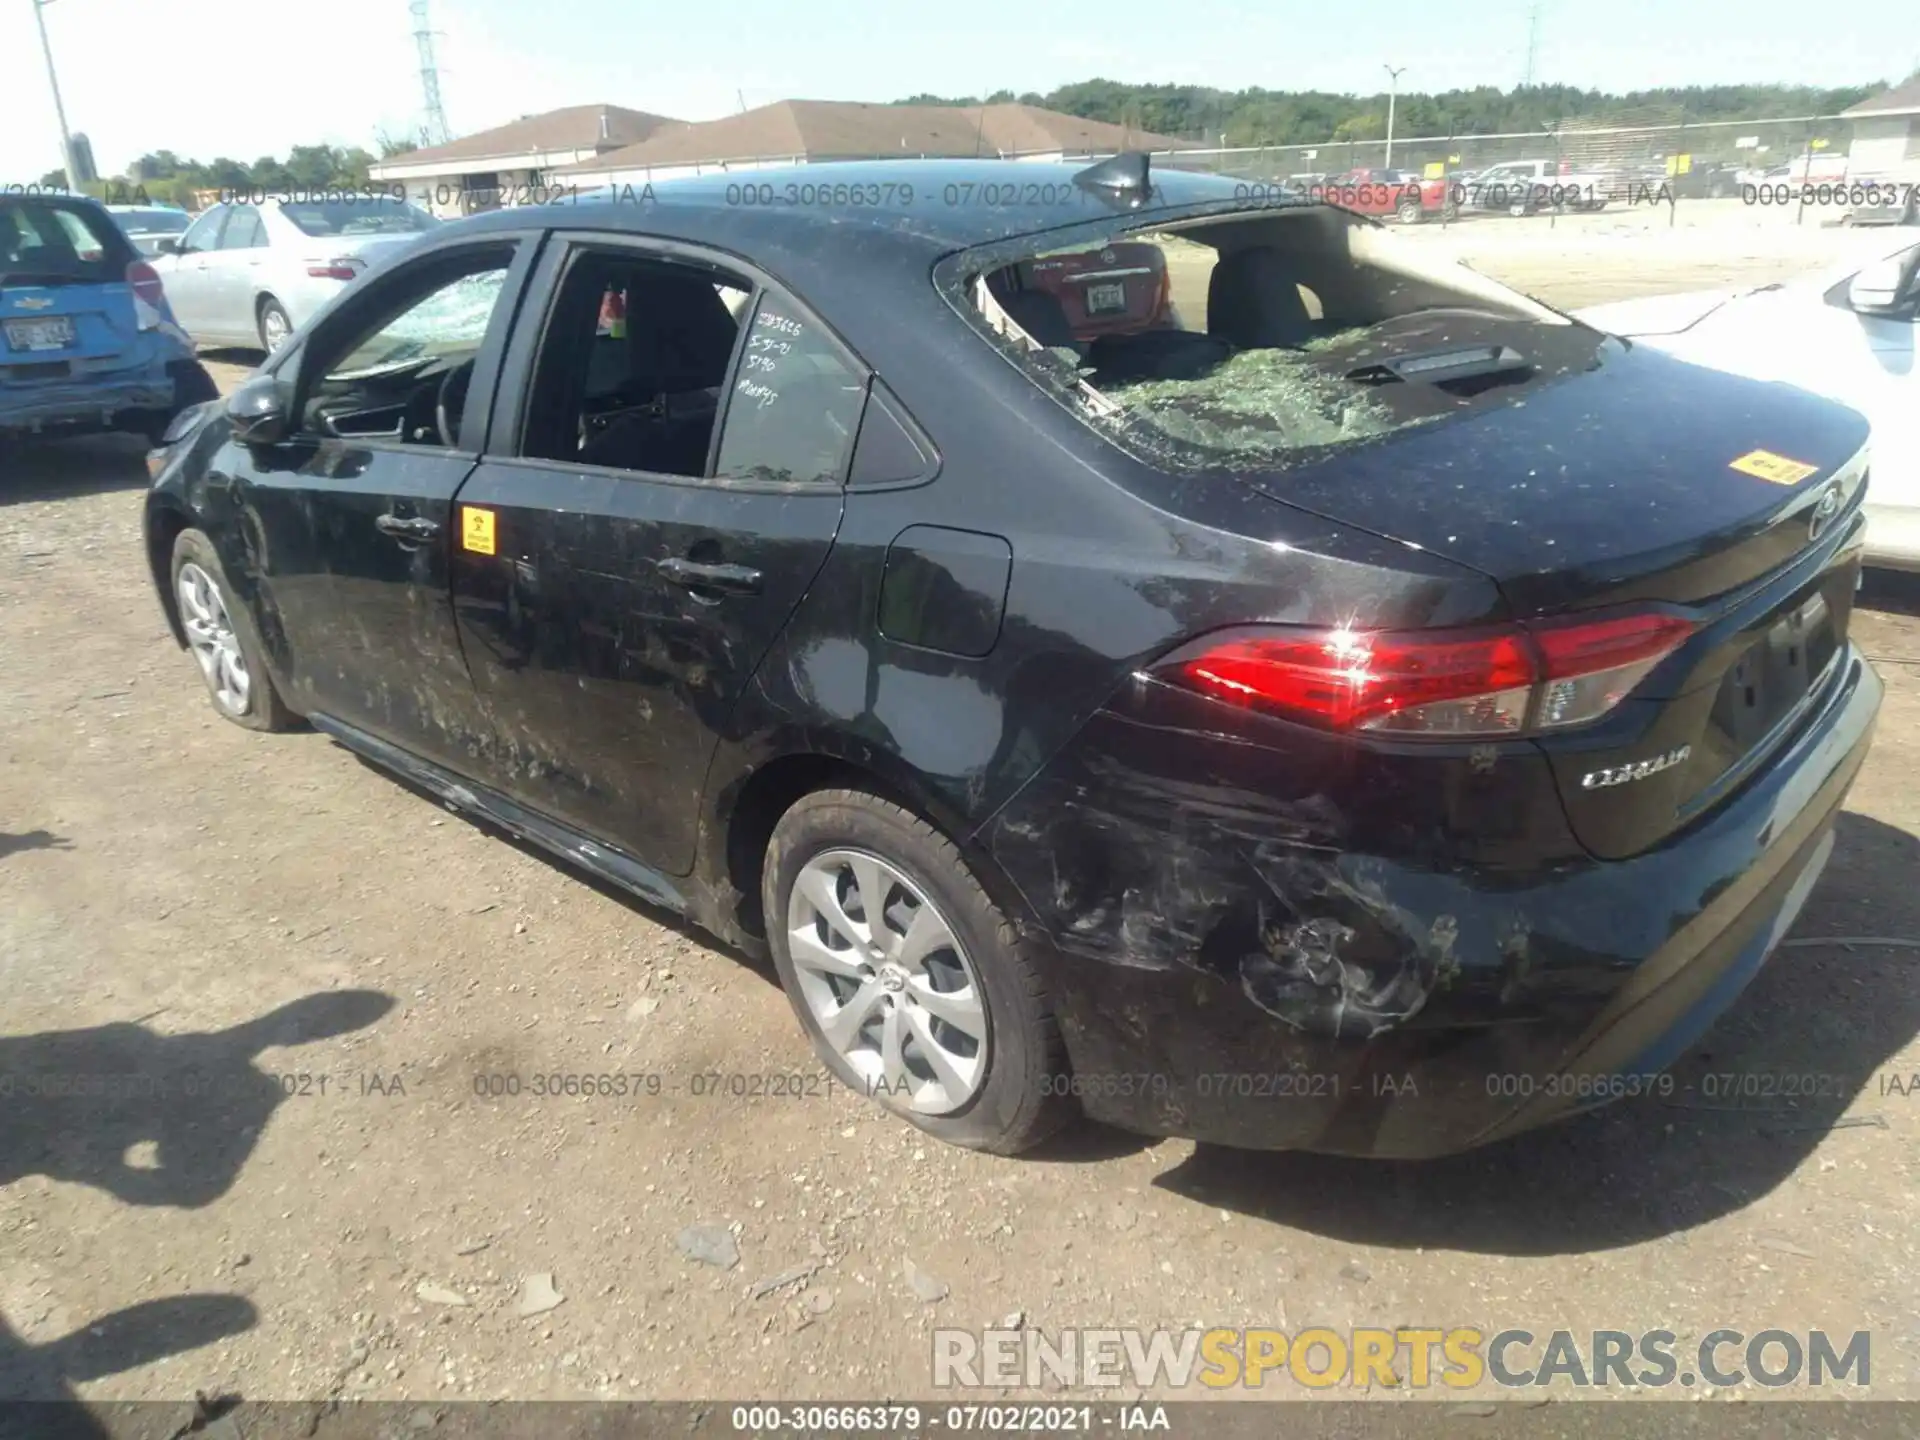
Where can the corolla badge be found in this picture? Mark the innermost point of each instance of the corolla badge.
(1636, 770)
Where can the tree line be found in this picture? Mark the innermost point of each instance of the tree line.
(1306, 117)
(165, 178)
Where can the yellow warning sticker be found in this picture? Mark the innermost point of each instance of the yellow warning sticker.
(1769, 466)
(476, 530)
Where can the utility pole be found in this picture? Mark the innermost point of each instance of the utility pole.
(1393, 85)
(59, 108)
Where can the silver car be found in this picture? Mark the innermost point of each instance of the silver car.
(251, 274)
(147, 225)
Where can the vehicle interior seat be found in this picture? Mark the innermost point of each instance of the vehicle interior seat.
(1038, 312)
(1253, 302)
(680, 339)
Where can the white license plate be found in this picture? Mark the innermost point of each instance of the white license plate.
(53, 333)
(1106, 299)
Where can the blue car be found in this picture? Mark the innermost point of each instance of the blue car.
(87, 339)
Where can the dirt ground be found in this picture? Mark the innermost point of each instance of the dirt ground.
(228, 912)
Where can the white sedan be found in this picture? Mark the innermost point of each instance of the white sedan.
(1850, 333)
(251, 274)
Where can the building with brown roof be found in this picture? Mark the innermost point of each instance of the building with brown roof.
(1886, 132)
(482, 170)
(800, 132)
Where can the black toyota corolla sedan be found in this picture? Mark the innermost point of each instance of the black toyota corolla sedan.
(1120, 645)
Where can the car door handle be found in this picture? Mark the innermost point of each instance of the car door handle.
(407, 527)
(694, 575)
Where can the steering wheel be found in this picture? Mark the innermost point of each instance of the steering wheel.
(452, 397)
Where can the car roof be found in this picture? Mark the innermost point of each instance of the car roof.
(955, 204)
(53, 197)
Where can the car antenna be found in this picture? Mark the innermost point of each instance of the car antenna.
(1124, 177)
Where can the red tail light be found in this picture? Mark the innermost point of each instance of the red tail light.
(1509, 681)
(340, 269)
(148, 294)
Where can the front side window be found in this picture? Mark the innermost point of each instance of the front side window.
(244, 230)
(1253, 338)
(402, 372)
(795, 406)
(204, 233)
(633, 362)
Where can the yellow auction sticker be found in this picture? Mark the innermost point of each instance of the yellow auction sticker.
(476, 530)
(1775, 468)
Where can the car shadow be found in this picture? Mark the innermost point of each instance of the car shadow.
(1895, 592)
(69, 468)
(1647, 1169)
(647, 910)
(36, 1381)
(154, 1119)
(233, 355)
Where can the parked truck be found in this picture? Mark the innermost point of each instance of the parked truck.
(1523, 187)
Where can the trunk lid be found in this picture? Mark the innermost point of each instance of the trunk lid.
(1641, 481)
(1615, 483)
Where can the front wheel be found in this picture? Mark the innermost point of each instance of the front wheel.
(1410, 212)
(275, 325)
(907, 977)
(222, 639)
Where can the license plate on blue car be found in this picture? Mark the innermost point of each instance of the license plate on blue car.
(55, 332)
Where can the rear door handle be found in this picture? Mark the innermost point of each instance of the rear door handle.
(407, 527)
(694, 575)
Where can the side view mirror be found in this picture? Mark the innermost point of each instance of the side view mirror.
(1877, 289)
(168, 245)
(258, 411)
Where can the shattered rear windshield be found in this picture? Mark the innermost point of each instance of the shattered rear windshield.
(1251, 342)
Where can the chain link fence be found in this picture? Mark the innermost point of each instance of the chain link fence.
(1650, 156)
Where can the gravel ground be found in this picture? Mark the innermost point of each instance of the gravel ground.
(327, 961)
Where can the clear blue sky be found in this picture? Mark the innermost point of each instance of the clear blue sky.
(249, 77)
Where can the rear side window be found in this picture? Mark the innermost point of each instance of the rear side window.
(44, 242)
(795, 406)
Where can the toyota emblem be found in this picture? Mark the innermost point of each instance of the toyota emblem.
(1824, 509)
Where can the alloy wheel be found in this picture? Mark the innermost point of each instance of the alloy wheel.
(203, 615)
(888, 982)
(274, 328)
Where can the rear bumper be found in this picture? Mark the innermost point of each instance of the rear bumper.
(86, 403)
(1550, 992)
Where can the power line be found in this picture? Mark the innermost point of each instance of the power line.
(434, 131)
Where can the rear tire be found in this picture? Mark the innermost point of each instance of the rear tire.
(943, 963)
(222, 640)
(1410, 212)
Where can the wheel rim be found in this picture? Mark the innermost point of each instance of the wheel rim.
(274, 327)
(888, 982)
(203, 615)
